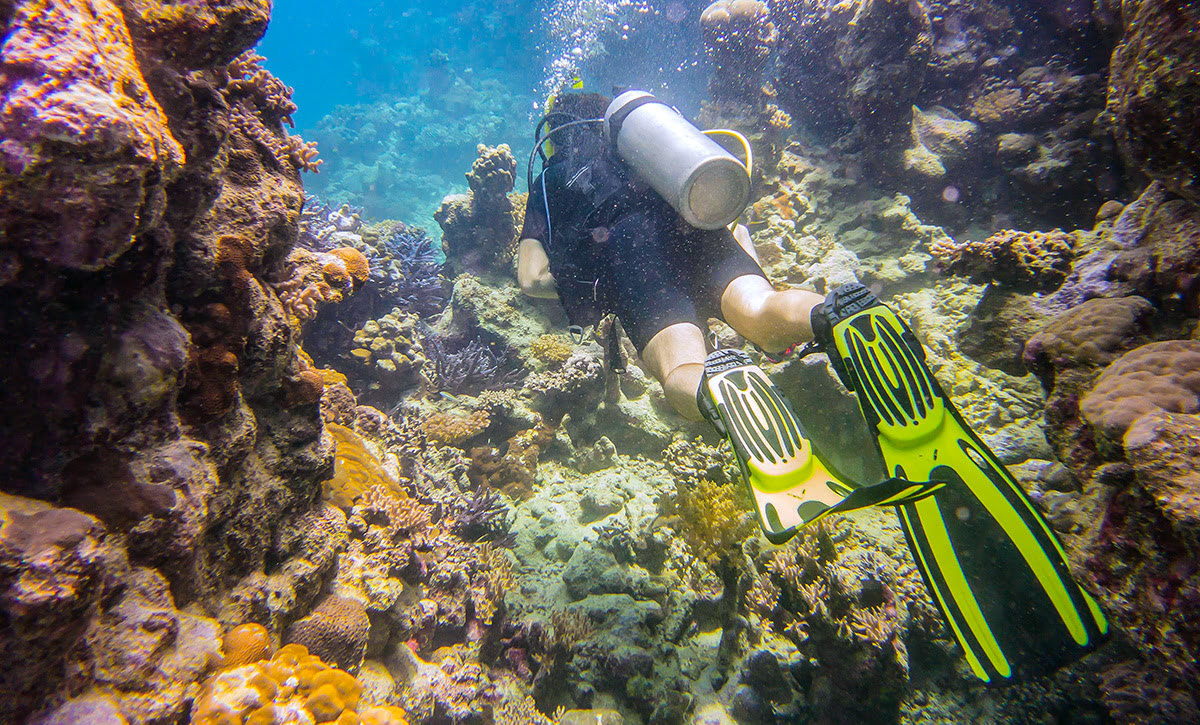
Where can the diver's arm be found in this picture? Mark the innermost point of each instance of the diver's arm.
(533, 270)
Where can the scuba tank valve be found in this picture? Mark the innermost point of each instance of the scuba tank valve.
(706, 184)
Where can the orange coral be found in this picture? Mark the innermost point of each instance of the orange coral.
(293, 686)
(246, 644)
(356, 264)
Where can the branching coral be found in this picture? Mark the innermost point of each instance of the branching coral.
(715, 519)
(260, 104)
(482, 516)
(408, 269)
(319, 278)
(1023, 260)
(468, 367)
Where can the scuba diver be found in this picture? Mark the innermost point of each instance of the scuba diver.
(630, 216)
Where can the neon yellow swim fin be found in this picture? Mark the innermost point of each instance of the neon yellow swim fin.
(988, 557)
(790, 483)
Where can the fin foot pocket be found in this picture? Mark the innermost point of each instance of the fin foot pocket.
(791, 485)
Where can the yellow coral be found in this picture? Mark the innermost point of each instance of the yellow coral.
(452, 430)
(355, 470)
(715, 519)
(551, 349)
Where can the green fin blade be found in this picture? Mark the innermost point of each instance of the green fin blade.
(988, 556)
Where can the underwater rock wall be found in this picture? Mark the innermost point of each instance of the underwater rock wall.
(149, 195)
(972, 109)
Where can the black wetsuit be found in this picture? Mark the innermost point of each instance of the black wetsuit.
(617, 246)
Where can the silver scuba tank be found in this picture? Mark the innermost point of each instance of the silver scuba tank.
(706, 184)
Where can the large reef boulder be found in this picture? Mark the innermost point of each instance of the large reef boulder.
(1153, 92)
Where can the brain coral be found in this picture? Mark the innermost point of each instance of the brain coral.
(336, 631)
(1091, 334)
(1023, 260)
(246, 644)
(1161, 375)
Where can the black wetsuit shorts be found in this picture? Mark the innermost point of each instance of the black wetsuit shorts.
(652, 268)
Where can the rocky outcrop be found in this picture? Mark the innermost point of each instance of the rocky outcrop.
(1153, 92)
(154, 400)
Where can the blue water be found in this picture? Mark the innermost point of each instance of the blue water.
(398, 95)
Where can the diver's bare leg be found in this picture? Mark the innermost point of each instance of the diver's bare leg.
(675, 357)
(770, 318)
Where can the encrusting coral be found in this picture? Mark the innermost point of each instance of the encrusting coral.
(1029, 261)
(454, 430)
(291, 687)
(356, 470)
(1159, 376)
(1088, 335)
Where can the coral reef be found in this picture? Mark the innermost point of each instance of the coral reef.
(150, 198)
(1159, 376)
(936, 102)
(336, 631)
(479, 228)
(1025, 261)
